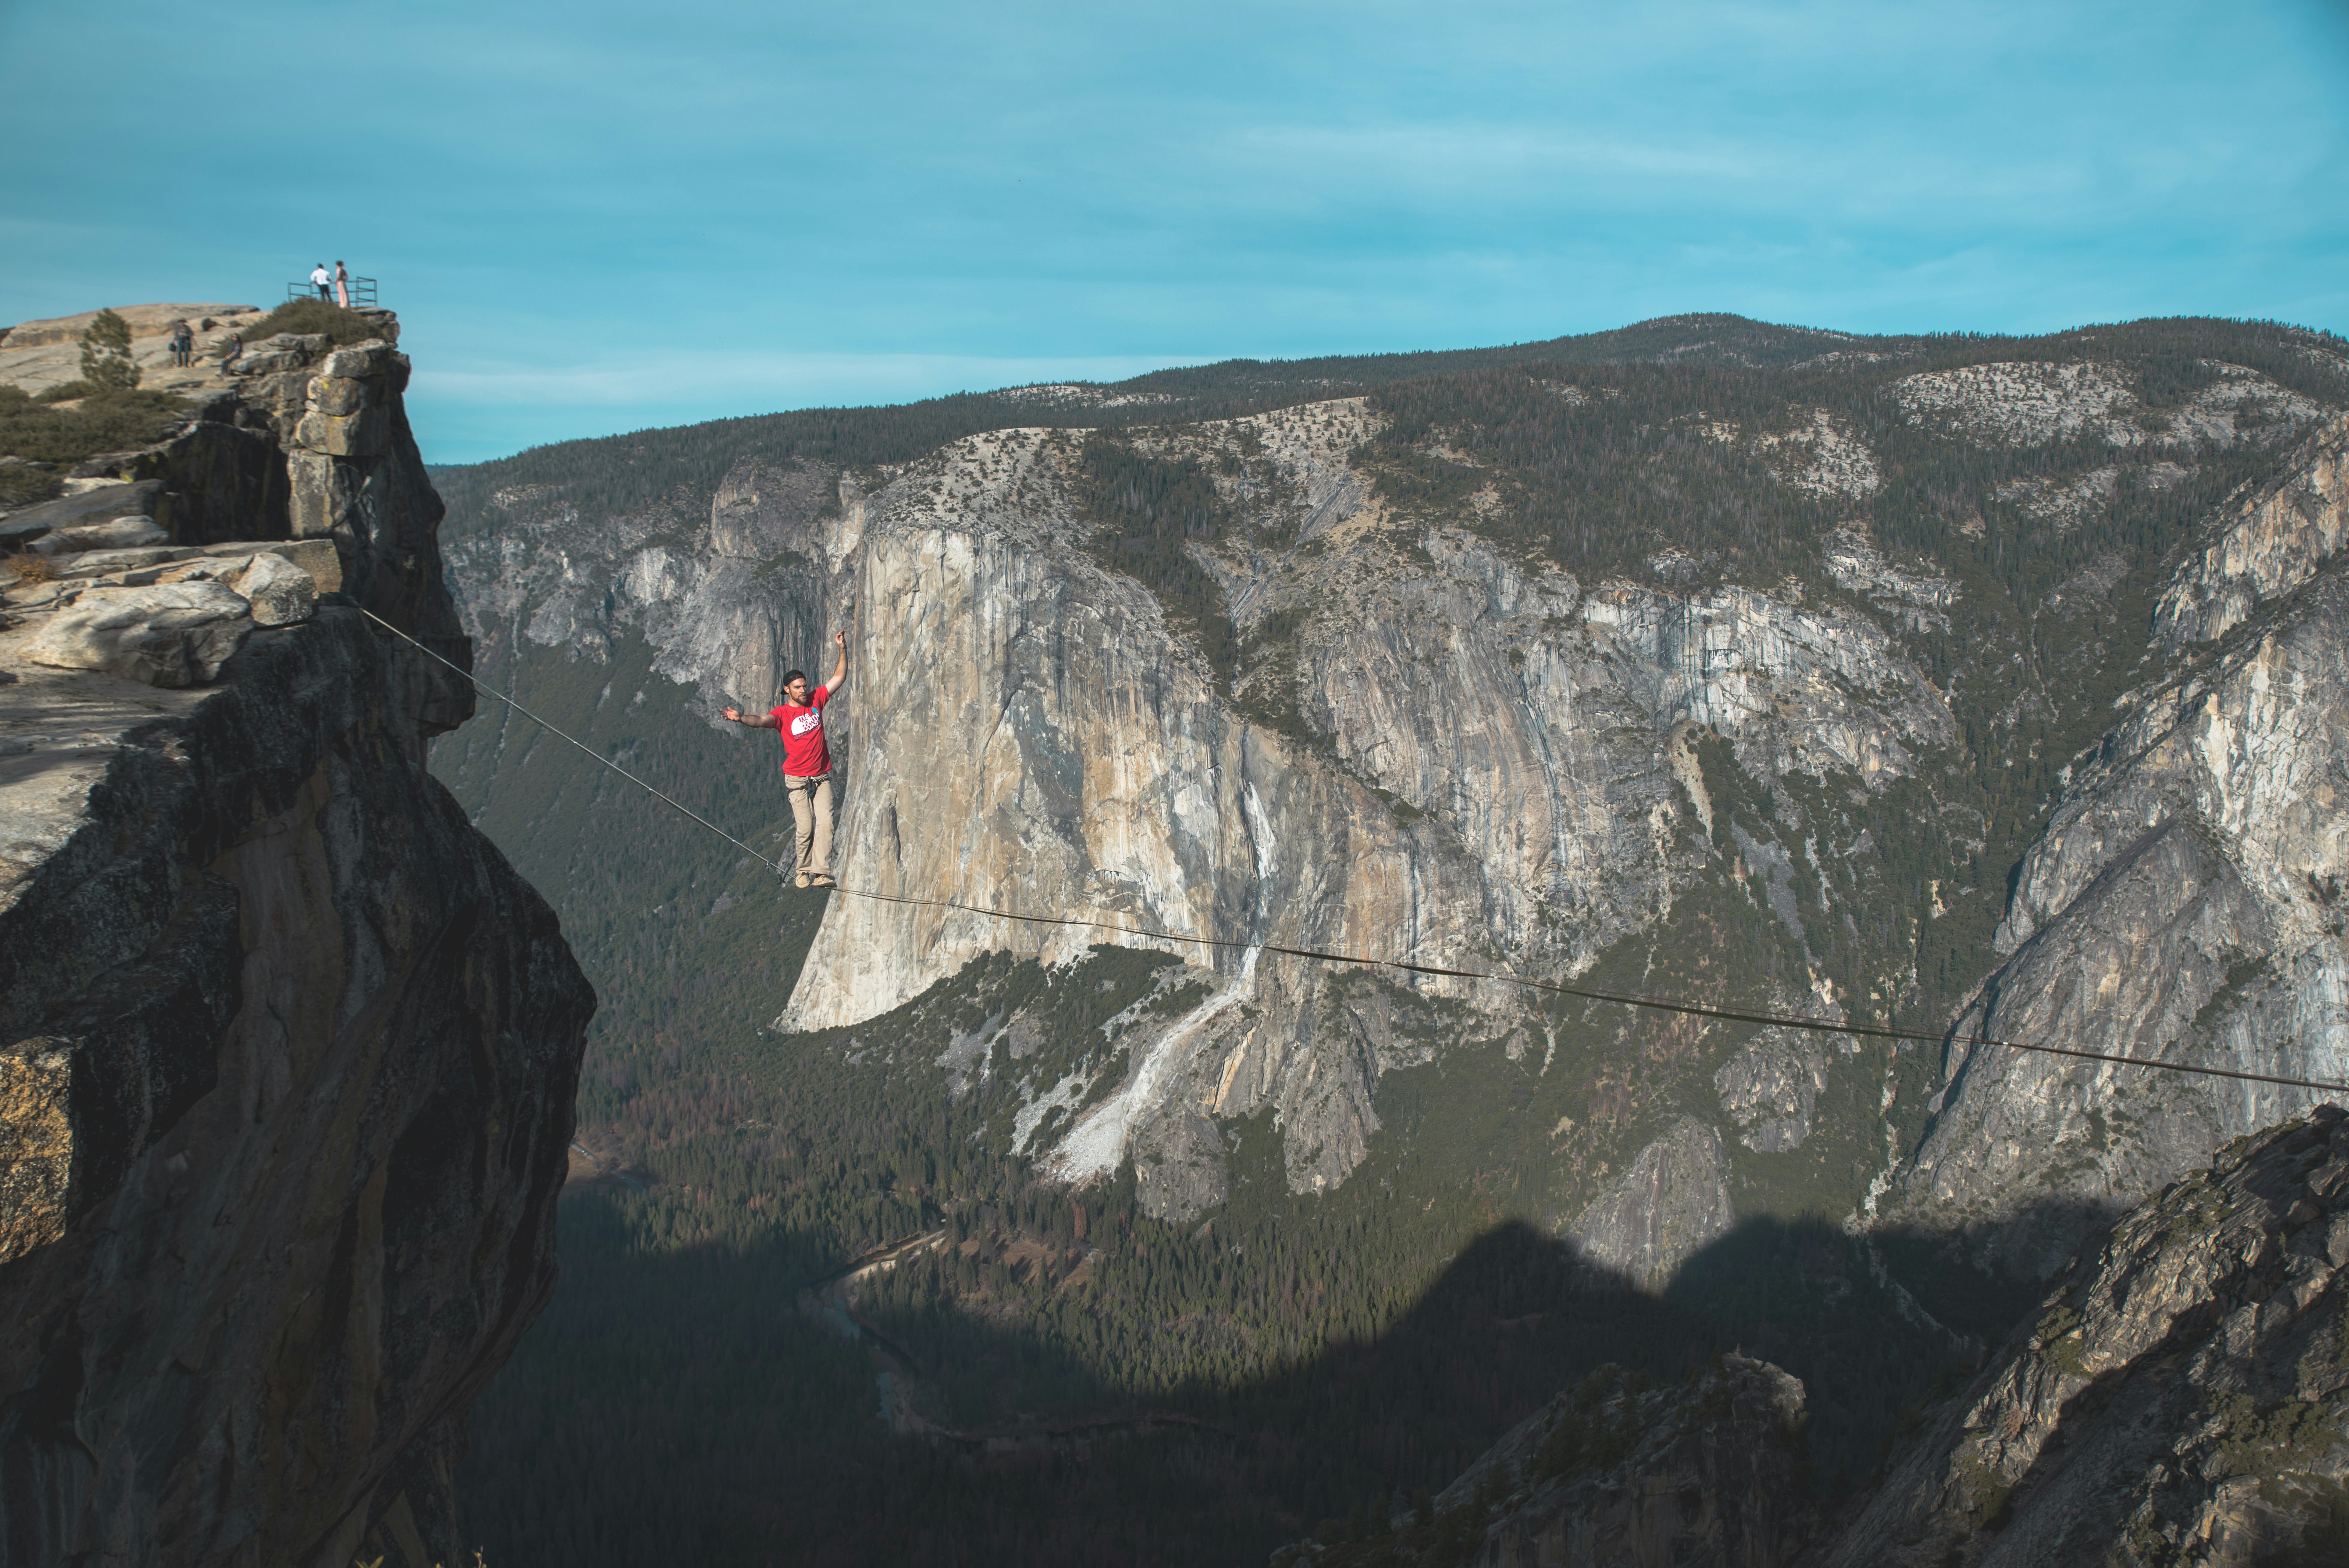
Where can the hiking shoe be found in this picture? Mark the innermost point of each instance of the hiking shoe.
(802, 880)
(821, 880)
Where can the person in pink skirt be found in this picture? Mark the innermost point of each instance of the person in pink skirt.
(342, 286)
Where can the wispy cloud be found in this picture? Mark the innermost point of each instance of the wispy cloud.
(614, 214)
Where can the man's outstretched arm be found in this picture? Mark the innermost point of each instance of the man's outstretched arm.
(840, 666)
(764, 721)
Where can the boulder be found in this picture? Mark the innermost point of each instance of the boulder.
(279, 592)
(218, 407)
(115, 533)
(359, 360)
(171, 635)
(288, 1057)
(316, 557)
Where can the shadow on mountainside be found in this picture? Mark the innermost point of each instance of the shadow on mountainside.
(685, 1406)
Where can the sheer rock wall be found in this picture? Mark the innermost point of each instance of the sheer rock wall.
(1491, 759)
(2185, 901)
(1487, 762)
(287, 1051)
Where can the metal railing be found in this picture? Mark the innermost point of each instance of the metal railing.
(362, 294)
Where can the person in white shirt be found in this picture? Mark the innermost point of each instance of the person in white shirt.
(325, 282)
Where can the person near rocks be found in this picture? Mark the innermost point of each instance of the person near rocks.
(231, 350)
(183, 343)
(342, 285)
(325, 280)
(807, 763)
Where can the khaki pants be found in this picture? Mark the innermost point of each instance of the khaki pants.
(811, 811)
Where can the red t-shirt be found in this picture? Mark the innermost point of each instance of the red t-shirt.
(804, 755)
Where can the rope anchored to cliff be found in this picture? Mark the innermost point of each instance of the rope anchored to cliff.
(1555, 988)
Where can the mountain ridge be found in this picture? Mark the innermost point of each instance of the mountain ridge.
(1745, 683)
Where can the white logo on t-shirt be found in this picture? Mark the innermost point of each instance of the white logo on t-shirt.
(805, 722)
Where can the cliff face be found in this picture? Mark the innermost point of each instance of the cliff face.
(1427, 741)
(1699, 764)
(2178, 1397)
(2184, 902)
(292, 1051)
(1491, 761)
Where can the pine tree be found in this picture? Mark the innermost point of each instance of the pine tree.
(106, 362)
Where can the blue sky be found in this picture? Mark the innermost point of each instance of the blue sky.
(595, 218)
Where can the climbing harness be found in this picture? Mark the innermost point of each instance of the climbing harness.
(1556, 987)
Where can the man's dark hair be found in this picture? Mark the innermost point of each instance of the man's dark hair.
(790, 675)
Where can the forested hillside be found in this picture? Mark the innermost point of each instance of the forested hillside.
(1044, 1372)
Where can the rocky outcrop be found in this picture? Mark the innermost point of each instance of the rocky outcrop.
(2179, 1396)
(2183, 903)
(1613, 1474)
(1549, 745)
(287, 1051)
(174, 636)
(1672, 1200)
(1771, 1087)
(355, 479)
(2274, 542)
(2032, 403)
(728, 600)
(310, 442)
(2029, 403)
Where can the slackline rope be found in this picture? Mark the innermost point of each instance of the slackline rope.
(1586, 993)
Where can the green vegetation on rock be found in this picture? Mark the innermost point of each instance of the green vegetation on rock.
(1147, 510)
(313, 318)
(116, 421)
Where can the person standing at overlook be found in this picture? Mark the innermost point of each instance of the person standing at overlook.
(325, 280)
(342, 285)
(807, 763)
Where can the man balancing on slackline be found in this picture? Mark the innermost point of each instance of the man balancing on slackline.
(807, 763)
